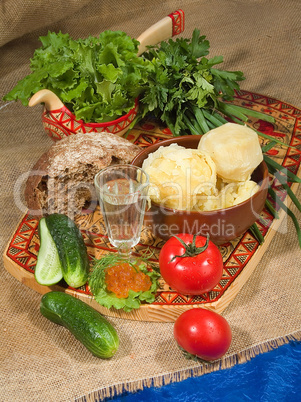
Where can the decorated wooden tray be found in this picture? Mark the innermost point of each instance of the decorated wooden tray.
(240, 256)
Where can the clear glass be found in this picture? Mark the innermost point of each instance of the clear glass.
(122, 193)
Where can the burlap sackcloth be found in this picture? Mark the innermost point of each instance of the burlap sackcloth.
(41, 361)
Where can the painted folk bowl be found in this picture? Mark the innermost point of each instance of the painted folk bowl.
(60, 122)
(223, 225)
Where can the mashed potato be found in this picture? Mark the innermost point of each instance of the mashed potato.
(179, 176)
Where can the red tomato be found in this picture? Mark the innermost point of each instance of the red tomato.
(203, 333)
(195, 274)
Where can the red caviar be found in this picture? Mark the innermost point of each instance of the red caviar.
(122, 277)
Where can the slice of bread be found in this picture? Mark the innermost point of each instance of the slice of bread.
(62, 180)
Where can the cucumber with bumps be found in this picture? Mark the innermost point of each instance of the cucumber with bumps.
(83, 321)
(71, 248)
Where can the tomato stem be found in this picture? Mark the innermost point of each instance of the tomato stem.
(191, 250)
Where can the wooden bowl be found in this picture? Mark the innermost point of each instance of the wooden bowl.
(222, 225)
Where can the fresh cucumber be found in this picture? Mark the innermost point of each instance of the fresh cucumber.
(71, 249)
(48, 270)
(85, 323)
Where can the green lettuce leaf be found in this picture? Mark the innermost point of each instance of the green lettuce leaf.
(133, 301)
(98, 78)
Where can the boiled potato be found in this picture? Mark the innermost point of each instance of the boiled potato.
(235, 149)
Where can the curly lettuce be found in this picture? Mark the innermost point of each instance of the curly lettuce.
(97, 78)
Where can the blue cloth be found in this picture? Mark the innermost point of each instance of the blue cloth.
(270, 377)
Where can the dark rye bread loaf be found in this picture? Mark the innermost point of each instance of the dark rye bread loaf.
(62, 180)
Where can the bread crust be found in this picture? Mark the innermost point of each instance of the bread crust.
(64, 175)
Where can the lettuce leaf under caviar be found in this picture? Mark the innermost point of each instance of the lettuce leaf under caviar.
(97, 78)
(109, 299)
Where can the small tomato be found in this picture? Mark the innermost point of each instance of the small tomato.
(191, 265)
(203, 333)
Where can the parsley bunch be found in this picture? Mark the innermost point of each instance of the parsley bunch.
(184, 89)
